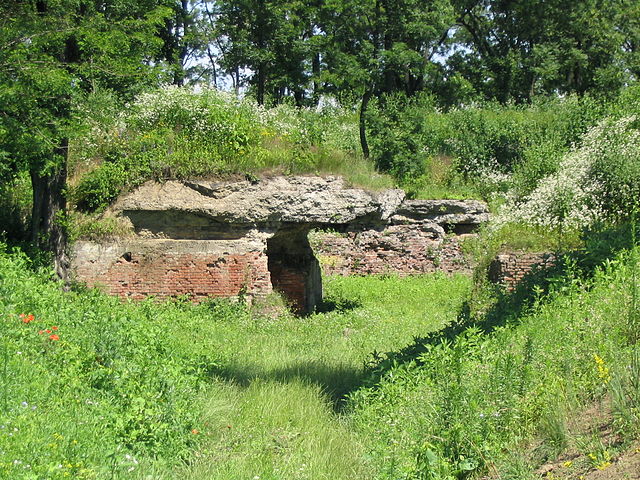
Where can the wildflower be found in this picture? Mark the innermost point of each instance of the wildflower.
(54, 328)
(27, 318)
(54, 337)
(40, 332)
(195, 431)
(603, 370)
(47, 331)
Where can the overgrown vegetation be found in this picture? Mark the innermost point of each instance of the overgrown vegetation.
(94, 388)
(472, 395)
(530, 105)
(179, 133)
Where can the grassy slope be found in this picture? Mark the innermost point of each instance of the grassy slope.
(132, 390)
(469, 402)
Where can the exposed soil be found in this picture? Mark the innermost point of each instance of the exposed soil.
(595, 450)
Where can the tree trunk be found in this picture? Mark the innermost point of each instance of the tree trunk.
(363, 131)
(261, 82)
(48, 231)
(315, 69)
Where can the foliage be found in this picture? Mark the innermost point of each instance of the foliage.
(52, 54)
(491, 146)
(513, 51)
(596, 182)
(15, 207)
(177, 132)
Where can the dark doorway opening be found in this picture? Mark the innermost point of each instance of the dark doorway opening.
(294, 269)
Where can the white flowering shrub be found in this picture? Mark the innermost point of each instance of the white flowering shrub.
(598, 181)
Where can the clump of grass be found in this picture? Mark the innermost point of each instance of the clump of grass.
(97, 228)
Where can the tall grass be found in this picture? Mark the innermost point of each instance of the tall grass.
(453, 404)
(394, 380)
(131, 390)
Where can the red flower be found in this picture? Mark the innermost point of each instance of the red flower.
(40, 332)
(54, 337)
(54, 328)
(48, 331)
(26, 318)
(195, 431)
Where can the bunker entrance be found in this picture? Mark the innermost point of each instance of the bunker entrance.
(294, 269)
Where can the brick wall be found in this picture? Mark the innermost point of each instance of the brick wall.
(291, 283)
(510, 268)
(136, 273)
(400, 249)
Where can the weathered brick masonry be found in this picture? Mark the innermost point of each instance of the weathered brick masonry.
(398, 249)
(510, 268)
(247, 239)
(169, 268)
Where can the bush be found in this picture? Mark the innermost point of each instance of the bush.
(101, 187)
(596, 182)
(179, 133)
(486, 142)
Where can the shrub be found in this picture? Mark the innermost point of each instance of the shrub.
(486, 142)
(597, 181)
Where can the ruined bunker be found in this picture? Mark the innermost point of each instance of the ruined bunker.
(247, 239)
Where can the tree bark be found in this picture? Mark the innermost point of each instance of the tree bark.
(363, 131)
(315, 69)
(48, 231)
(261, 81)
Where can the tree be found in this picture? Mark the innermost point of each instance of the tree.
(274, 42)
(382, 46)
(513, 50)
(53, 53)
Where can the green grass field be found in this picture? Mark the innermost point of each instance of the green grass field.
(397, 379)
(213, 391)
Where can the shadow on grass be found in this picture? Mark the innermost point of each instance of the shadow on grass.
(507, 308)
(336, 381)
(338, 305)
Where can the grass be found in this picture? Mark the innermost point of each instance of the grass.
(458, 403)
(395, 379)
(210, 391)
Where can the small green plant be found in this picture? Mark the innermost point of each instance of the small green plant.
(553, 431)
(625, 390)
